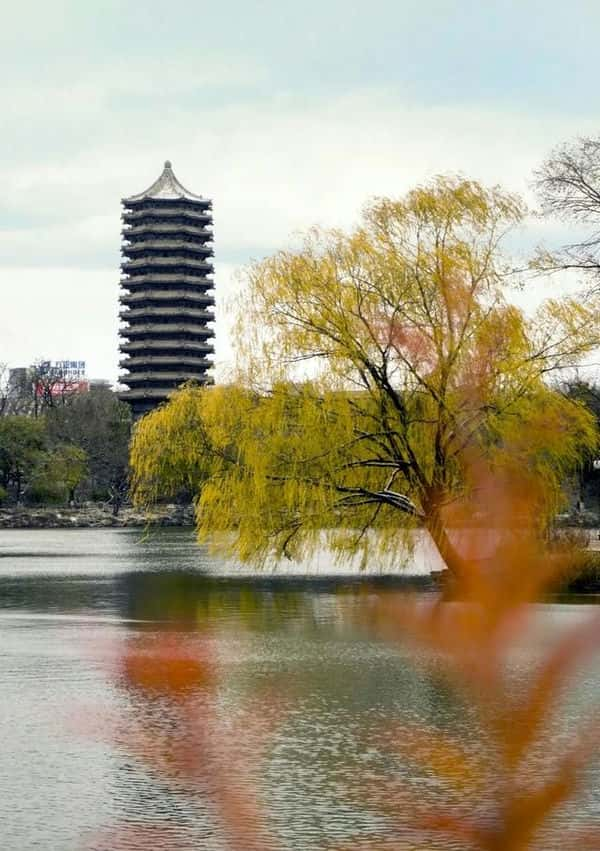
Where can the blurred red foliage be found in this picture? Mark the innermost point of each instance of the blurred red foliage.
(475, 632)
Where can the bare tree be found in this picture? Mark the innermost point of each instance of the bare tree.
(51, 386)
(568, 187)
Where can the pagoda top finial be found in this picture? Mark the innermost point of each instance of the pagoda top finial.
(167, 187)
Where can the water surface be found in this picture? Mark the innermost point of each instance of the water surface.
(295, 653)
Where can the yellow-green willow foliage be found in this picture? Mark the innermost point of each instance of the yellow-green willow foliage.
(375, 368)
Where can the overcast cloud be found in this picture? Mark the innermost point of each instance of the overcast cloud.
(286, 114)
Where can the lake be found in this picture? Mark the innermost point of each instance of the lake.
(306, 697)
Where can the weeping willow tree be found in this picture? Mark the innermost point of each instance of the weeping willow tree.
(376, 368)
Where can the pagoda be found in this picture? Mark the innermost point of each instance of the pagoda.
(165, 292)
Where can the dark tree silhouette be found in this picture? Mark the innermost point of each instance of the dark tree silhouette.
(568, 187)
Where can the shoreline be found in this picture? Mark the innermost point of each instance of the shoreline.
(91, 516)
(96, 516)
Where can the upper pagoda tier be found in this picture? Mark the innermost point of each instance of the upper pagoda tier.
(167, 211)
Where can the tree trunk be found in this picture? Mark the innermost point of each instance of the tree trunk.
(450, 555)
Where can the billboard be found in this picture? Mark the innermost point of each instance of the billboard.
(69, 370)
(59, 388)
(61, 378)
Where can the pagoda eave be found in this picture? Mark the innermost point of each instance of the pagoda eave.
(180, 346)
(166, 203)
(166, 229)
(152, 360)
(162, 262)
(161, 393)
(141, 246)
(159, 279)
(162, 296)
(152, 330)
(166, 213)
(162, 312)
(175, 377)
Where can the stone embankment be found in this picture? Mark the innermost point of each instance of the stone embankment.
(91, 516)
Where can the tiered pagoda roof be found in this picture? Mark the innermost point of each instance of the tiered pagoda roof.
(167, 308)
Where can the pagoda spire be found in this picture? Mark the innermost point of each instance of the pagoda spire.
(166, 186)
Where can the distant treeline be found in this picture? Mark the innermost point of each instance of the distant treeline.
(62, 448)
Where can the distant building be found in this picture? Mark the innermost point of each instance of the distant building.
(166, 292)
(18, 379)
(99, 384)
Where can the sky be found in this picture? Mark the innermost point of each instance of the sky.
(286, 114)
